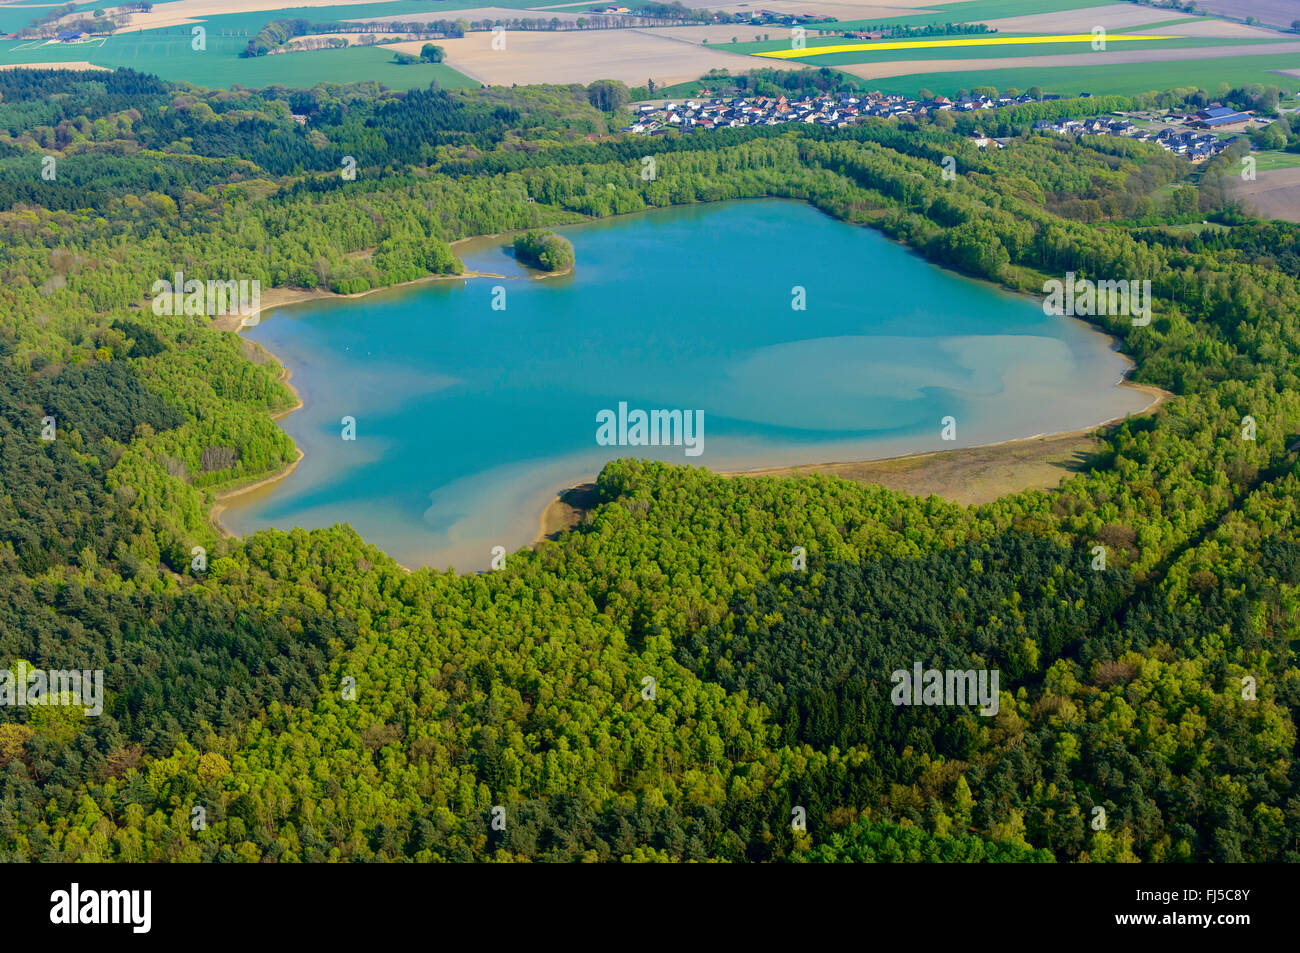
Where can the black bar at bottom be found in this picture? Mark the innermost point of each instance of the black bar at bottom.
(338, 903)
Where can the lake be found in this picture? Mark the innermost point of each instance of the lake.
(469, 418)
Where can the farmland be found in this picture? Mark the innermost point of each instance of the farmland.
(979, 11)
(1275, 193)
(1097, 77)
(170, 56)
(632, 56)
(1274, 12)
(845, 54)
(1037, 42)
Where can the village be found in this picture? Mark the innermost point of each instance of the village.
(1197, 141)
(835, 111)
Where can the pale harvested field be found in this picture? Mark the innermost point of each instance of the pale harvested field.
(185, 12)
(1116, 55)
(1112, 17)
(481, 13)
(199, 8)
(77, 65)
(1274, 194)
(196, 10)
(1223, 28)
(841, 9)
(149, 21)
(721, 33)
(582, 57)
(1276, 12)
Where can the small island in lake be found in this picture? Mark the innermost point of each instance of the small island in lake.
(544, 250)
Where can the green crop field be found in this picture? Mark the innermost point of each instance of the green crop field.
(167, 52)
(15, 17)
(169, 56)
(1143, 27)
(1269, 160)
(397, 9)
(1123, 78)
(400, 10)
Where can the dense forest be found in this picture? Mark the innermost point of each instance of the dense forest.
(298, 696)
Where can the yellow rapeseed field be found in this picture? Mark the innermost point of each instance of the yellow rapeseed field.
(964, 41)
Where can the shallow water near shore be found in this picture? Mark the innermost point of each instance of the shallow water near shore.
(469, 419)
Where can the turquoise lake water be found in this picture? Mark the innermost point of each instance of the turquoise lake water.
(469, 419)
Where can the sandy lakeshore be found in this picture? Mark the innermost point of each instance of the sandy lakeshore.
(969, 476)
